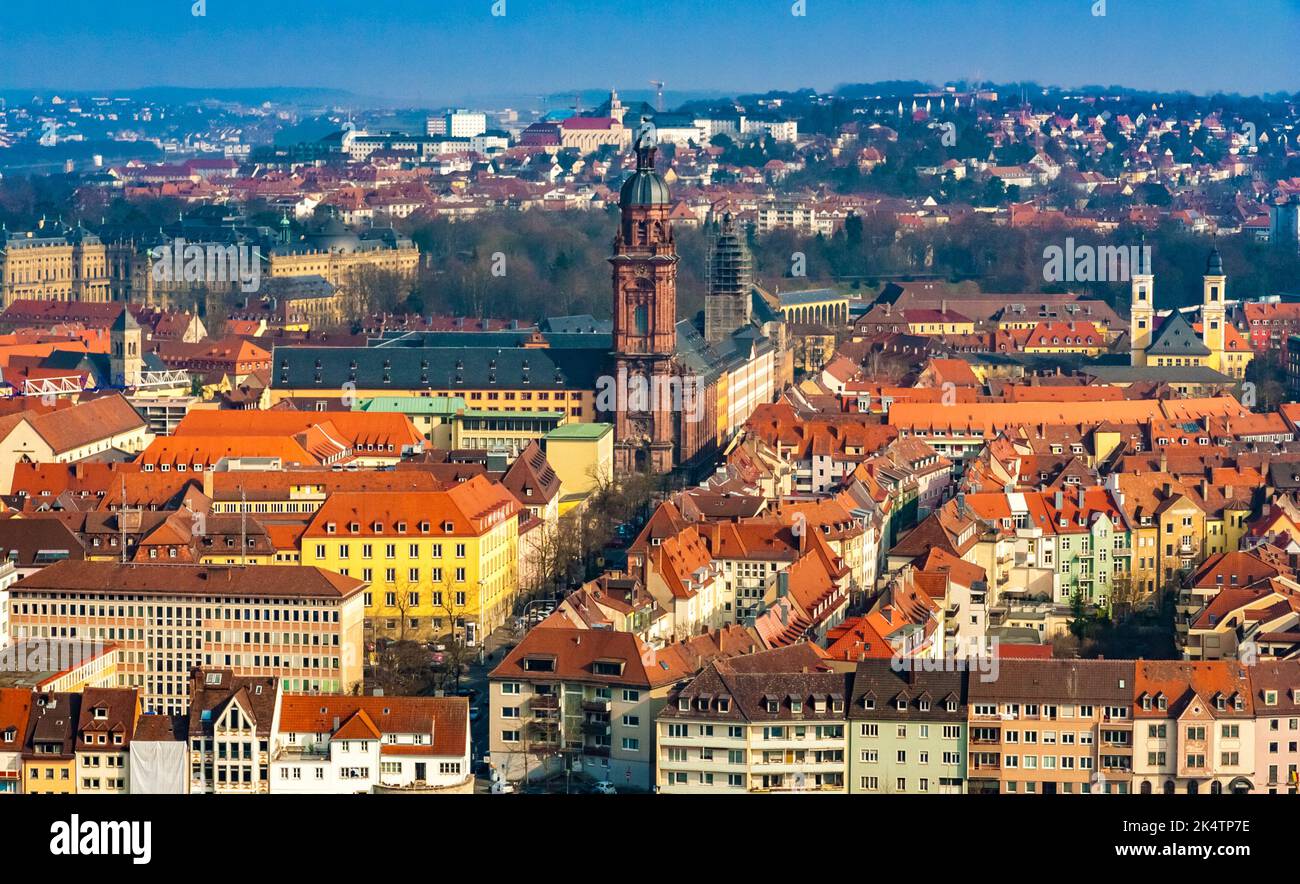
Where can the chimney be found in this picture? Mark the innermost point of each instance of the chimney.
(1227, 491)
(1205, 489)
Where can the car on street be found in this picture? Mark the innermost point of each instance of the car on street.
(501, 787)
(475, 713)
(604, 787)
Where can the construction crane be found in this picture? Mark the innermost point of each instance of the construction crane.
(659, 92)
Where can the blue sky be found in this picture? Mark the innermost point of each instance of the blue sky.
(442, 50)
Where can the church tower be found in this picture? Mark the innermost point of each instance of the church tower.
(645, 318)
(727, 304)
(1141, 312)
(616, 109)
(125, 359)
(1214, 286)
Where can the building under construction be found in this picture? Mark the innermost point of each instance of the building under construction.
(731, 276)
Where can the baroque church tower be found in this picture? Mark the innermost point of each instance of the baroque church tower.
(645, 319)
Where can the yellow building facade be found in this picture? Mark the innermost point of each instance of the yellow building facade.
(435, 562)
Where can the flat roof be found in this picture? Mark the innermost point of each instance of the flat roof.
(34, 663)
(580, 431)
(413, 404)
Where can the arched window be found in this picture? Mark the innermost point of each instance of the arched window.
(641, 319)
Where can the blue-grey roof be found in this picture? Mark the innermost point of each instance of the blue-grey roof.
(441, 368)
(582, 323)
(1176, 337)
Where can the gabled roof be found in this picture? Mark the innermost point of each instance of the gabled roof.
(530, 478)
(1176, 337)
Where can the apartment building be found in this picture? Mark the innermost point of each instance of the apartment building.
(103, 748)
(1275, 689)
(49, 748)
(434, 562)
(579, 699)
(743, 725)
(341, 745)
(907, 729)
(15, 707)
(305, 625)
(1194, 727)
(231, 720)
(1051, 727)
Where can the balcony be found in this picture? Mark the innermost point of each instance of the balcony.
(596, 705)
(596, 728)
(596, 751)
(544, 701)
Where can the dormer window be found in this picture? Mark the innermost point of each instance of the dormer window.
(923, 705)
(684, 704)
(950, 706)
(724, 704)
(900, 704)
(1162, 704)
(773, 706)
(1270, 697)
(868, 703)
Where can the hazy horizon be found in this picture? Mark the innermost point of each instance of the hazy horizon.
(422, 53)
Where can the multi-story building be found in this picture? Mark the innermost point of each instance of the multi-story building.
(299, 623)
(435, 562)
(738, 729)
(1275, 689)
(54, 262)
(578, 699)
(907, 729)
(1052, 727)
(344, 259)
(103, 747)
(325, 745)
(15, 707)
(49, 749)
(1194, 727)
(231, 720)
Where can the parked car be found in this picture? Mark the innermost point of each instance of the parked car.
(501, 787)
(475, 713)
(469, 693)
(604, 787)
